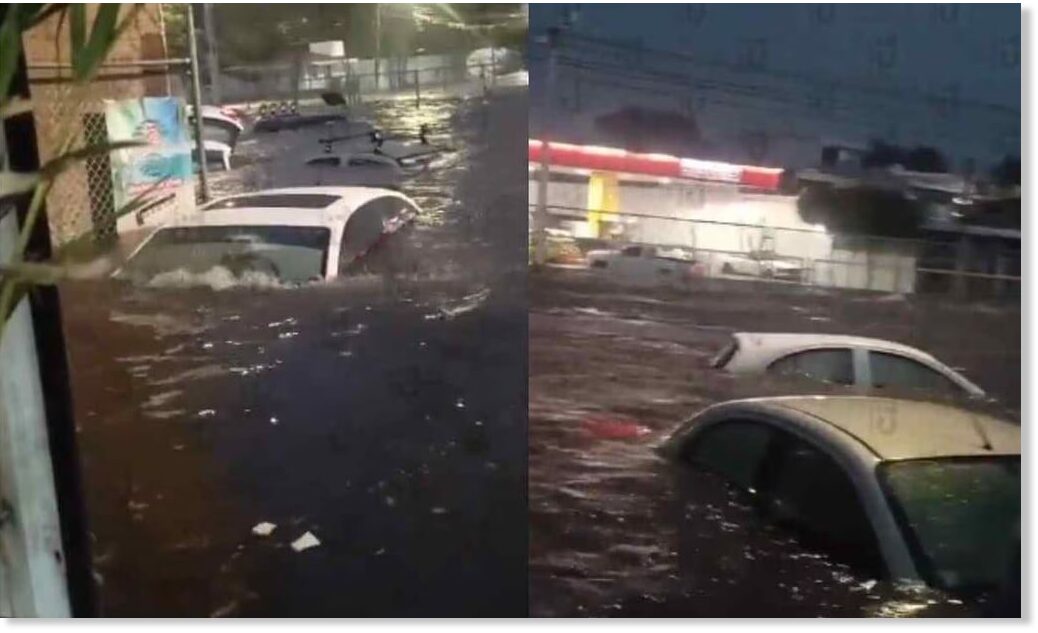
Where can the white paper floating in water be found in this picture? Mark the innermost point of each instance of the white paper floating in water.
(305, 541)
(263, 529)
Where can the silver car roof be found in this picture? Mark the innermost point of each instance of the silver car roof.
(767, 346)
(891, 429)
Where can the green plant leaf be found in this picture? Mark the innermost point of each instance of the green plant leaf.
(14, 107)
(16, 183)
(76, 29)
(105, 32)
(56, 165)
(10, 52)
(33, 14)
(11, 293)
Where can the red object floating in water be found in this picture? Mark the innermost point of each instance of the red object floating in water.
(614, 428)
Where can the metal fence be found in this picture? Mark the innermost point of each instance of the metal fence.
(964, 265)
(81, 202)
(287, 81)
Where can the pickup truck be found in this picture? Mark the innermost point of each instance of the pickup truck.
(646, 265)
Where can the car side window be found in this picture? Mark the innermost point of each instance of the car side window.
(732, 449)
(363, 229)
(806, 490)
(631, 251)
(369, 224)
(325, 161)
(891, 370)
(830, 365)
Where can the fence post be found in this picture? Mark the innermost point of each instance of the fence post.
(417, 90)
(493, 66)
(962, 257)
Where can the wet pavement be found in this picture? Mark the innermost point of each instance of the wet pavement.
(617, 531)
(384, 415)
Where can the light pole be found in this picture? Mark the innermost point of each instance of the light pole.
(196, 103)
(540, 221)
(212, 61)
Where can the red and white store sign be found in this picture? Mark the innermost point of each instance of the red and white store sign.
(661, 165)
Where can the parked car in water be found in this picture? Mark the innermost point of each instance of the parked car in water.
(220, 124)
(290, 236)
(646, 264)
(759, 263)
(373, 156)
(895, 489)
(860, 362)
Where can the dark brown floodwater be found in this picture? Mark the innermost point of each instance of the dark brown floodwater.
(384, 415)
(615, 530)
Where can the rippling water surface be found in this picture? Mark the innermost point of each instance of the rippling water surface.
(616, 530)
(383, 414)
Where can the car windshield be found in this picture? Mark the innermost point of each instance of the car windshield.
(961, 517)
(282, 254)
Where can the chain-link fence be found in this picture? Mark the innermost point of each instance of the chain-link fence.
(82, 202)
(969, 264)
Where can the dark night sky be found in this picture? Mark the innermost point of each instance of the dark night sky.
(967, 54)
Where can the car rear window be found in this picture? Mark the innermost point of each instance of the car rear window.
(275, 200)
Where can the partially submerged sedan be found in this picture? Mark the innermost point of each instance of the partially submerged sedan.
(764, 264)
(864, 363)
(283, 236)
(896, 489)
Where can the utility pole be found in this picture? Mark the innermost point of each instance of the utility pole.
(211, 58)
(378, 41)
(196, 103)
(540, 220)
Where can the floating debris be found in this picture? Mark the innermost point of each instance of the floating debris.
(264, 528)
(225, 610)
(206, 413)
(304, 542)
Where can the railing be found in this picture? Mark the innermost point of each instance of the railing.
(284, 81)
(794, 255)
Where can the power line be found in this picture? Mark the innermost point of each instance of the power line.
(639, 52)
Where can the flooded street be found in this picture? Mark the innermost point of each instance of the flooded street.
(383, 415)
(617, 531)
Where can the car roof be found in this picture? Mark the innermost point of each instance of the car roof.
(290, 206)
(896, 429)
(770, 344)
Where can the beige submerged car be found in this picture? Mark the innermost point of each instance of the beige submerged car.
(897, 489)
(864, 363)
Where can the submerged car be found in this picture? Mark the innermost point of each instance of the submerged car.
(223, 125)
(646, 264)
(370, 154)
(290, 236)
(895, 489)
(865, 363)
(758, 263)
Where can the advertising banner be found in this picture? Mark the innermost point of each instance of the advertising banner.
(161, 168)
